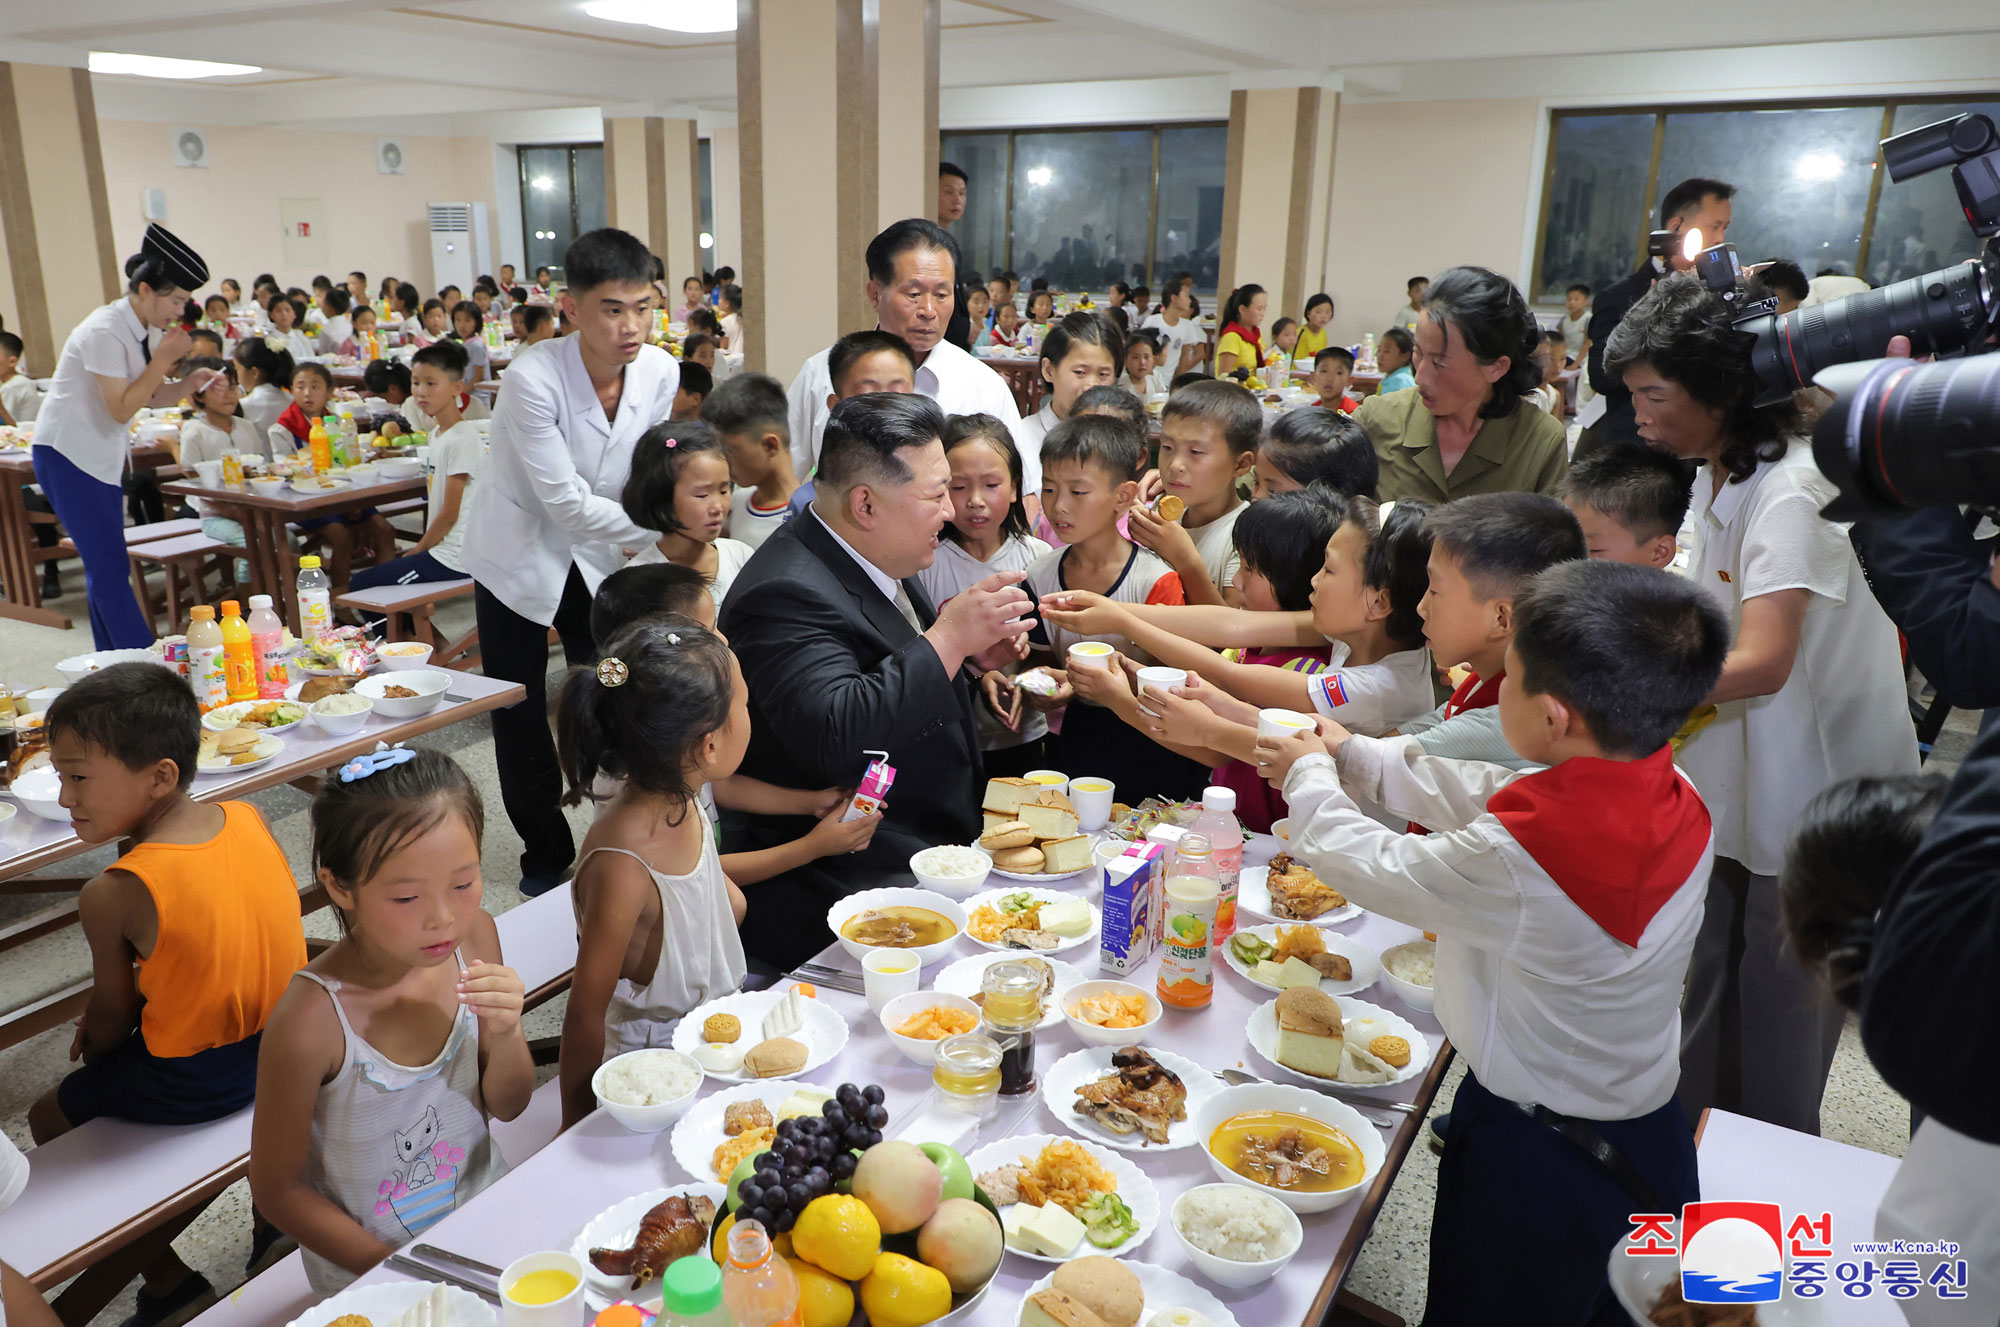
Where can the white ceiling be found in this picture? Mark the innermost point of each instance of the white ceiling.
(462, 66)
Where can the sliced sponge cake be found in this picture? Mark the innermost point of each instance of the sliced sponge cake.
(1309, 1032)
(1050, 815)
(1004, 796)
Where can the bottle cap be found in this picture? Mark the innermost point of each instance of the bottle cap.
(620, 1315)
(691, 1286)
(1218, 799)
(230, 608)
(201, 613)
(310, 560)
(258, 601)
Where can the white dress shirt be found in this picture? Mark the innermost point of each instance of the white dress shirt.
(887, 584)
(1545, 1005)
(555, 470)
(110, 342)
(955, 380)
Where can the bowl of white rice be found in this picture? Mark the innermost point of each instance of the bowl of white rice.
(1236, 1236)
(647, 1090)
(953, 871)
(1409, 969)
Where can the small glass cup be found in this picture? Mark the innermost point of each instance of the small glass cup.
(966, 1072)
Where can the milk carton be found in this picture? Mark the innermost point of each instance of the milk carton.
(1166, 838)
(1132, 898)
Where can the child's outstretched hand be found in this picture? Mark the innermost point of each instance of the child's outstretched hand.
(494, 993)
(1277, 755)
(1084, 612)
(831, 836)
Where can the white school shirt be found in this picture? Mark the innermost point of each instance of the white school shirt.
(262, 405)
(957, 381)
(1546, 1006)
(1843, 711)
(1153, 384)
(1378, 697)
(298, 344)
(1574, 330)
(732, 330)
(1216, 542)
(1142, 571)
(750, 523)
(202, 441)
(1186, 332)
(21, 397)
(954, 571)
(459, 450)
(334, 333)
(556, 468)
(74, 420)
(471, 406)
(730, 555)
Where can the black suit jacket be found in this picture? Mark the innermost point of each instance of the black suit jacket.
(1606, 312)
(1931, 577)
(834, 670)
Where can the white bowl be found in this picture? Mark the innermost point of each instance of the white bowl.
(400, 467)
(1229, 1271)
(403, 655)
(1282, 829)
(39, 790)
(77, 667)
(40, 698)
(268, 486)
(429, 683)
(339, 725)
(1420, 998)
(1091, 1034)
(907, 1006)
(838, 915)
(1304, 1101)
(951, 886)
(647, 1119)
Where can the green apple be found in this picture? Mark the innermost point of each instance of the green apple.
(744, 1170)
(957, 1175)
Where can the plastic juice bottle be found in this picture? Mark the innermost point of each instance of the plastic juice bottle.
(205, 667)
(1187, 972)
(239, 658)
(321, 447)
(691, 1294)
(315, 598)
(267, 637)
(758, 1287)
(1217, 823)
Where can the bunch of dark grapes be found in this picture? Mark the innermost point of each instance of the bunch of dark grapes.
(808, 1155)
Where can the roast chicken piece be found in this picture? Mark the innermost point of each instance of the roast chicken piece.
(1140, 1095)
(676, 1228)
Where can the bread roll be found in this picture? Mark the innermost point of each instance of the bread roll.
(776, 1058)
(1026, 860)
(1011, 834)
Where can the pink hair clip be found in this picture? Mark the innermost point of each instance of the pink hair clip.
(673, 442)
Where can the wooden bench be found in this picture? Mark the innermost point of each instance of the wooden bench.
(408, 609)
(180, 558)
(106, 1197)
(157, 530)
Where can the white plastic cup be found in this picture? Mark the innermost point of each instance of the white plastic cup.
(1090, 654)
(565, 1312)
(1283, 723)
(1091, 796)
(1158, 678)
(888, 973)
(209, 473)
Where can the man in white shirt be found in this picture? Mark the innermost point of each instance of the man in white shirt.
(911, 273)
(546, 524)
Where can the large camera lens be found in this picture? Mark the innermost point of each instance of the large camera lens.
(1941, 312)
(1903, 435)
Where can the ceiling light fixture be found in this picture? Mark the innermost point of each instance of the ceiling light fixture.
(160, 66)
(707, 240)
(671, 15)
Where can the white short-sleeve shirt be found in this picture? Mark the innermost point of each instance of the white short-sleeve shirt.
(1843, 711)
(1216, 542)
(958, 382)
(459, 450)
(1186, 332)
(112, 342)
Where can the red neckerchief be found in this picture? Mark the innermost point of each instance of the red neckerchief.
(1617, 836)
(1253, 335)
(1474, 693)
(295, 422)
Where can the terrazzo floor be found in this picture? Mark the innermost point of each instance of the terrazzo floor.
(1859, 1108)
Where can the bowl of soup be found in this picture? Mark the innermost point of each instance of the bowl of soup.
(920, 920)
(1309, 1151)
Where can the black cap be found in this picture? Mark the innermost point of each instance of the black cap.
(165, 261)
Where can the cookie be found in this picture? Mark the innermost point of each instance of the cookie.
(721, 1027)
(1170, 508)
(1391, 1050)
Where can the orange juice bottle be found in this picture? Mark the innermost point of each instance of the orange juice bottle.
(239, 654)
(1187, 960)
(321, 447)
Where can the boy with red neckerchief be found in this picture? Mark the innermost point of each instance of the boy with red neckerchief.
(1566, 902)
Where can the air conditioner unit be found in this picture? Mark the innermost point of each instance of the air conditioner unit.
(190, 147)
(388, 156)
(459, 244)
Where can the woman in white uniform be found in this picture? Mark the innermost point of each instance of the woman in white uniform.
(110, 367)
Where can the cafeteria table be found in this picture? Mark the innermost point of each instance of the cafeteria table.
(542, 1203)
(20, 568)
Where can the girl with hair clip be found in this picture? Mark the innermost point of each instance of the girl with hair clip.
(665, 713)
(988, 532)
(389, 1053)
(1082, 351)
(265, 375)
(679, 485)
(1240, 346)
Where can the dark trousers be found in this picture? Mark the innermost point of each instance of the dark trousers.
(1525, 1218)
(515, 649)
(89, 510)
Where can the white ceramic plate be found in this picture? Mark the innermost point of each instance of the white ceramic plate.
(267, 750)
(824, 1031)
(1366, 963)
(1163, 1290)
(1254, 897)
(383, 1303)
(993, 896)
(1637, 1282)
(224, 717)
(1061, 1080)
(1134, 1188)
(1364, 1023)
(698, 1133)
(320, 487)
(964, 976)
(615, 1228)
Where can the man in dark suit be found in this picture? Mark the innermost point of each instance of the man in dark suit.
(1695, 204)
(843, 653)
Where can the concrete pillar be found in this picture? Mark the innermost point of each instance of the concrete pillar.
(55, 216)
(1278, 190)
(652, 187)
(837, 136)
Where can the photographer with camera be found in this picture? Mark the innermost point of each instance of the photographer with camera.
(1812, 692)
